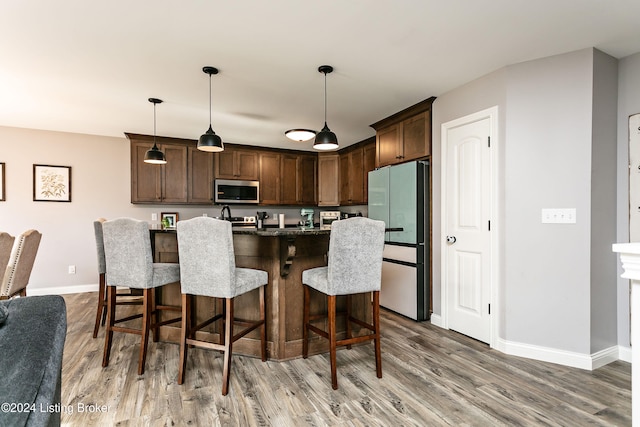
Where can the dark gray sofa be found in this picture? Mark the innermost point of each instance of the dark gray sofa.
(32, 335)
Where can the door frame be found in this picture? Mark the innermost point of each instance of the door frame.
(496, 311)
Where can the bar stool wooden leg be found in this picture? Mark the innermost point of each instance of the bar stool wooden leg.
(223, 310)
(376, 327)
(263, 327)
(185, 332)
(101, 311)
(111, 316)
(332, 340)
(305, 322)
(228, 339)
(156, 314)
(348, 320)
(147, 296)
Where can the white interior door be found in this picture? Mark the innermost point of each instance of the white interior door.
(466, 225)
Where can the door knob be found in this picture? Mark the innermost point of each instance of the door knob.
(451, 239)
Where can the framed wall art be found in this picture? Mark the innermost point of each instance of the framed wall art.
(3, 194)
(51, 183)
(169, 219)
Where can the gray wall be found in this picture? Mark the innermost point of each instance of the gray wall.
(603, 202)
(628, 104)
(550, 273)
(548, 165)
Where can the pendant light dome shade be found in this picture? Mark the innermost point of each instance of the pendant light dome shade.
(209, 141)
(154, 155)
(325, 139)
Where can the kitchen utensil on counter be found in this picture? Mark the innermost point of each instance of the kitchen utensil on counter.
(260, 217)
(307, 219)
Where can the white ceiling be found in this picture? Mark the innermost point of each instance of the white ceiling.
(89, 67)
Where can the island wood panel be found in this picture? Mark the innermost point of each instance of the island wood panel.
(283, 294)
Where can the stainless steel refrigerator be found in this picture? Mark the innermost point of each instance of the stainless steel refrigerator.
(399, 196)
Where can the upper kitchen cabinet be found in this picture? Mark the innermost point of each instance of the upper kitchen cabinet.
(355, 163)
(405, 135)
(158, 183)
(288, 178)
(236, 163)
(270, 178)
(328, 179)
(307, 173)
(298, 179)
(200, 176)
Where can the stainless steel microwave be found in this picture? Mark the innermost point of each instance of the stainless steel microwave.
(236, 191)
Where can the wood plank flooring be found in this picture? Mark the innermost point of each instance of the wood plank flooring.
(431, 377)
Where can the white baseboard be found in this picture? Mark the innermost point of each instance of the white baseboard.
(561, 357)
(604, 357)
(436, 320)
(624, 354)
(61, 290)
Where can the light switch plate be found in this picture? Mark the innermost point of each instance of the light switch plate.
(559, 216)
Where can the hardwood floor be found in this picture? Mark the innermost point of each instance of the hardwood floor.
(431, 377)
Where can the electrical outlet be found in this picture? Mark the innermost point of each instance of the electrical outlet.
(154, 217)
(72, 269)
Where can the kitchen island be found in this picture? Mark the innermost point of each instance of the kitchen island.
(284, 254)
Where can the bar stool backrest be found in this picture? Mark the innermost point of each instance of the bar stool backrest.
(18, 272)
(6, 244)
(127, 249)
(207, 259)
(355, 256)
(97, 228)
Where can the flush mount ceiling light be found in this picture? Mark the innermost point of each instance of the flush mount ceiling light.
(325, 139)
(154, 155)
(300, 135)
(209, 141)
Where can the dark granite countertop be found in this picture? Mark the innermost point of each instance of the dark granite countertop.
(289, 231)
(267, 231)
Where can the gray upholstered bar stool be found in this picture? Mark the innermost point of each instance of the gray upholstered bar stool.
(208, 268)
(101, 312)
(354, 266)
(127, 249)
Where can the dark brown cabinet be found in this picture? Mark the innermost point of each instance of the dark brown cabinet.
(158, 183)
(236, 163)
(270, 178)
(404, 136)
(369, 159)
(287, 178)
(200, 178)
(307, 173)
(328, 179)
(352, 177)
(355, 164)
(186, 178)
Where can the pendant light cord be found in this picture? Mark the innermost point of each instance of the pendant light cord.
(325, 98)
(154, 125)
(210, 100)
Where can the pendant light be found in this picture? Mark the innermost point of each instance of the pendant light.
(209, 141)
(300, 135)
(154, 155)
(325, 139)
